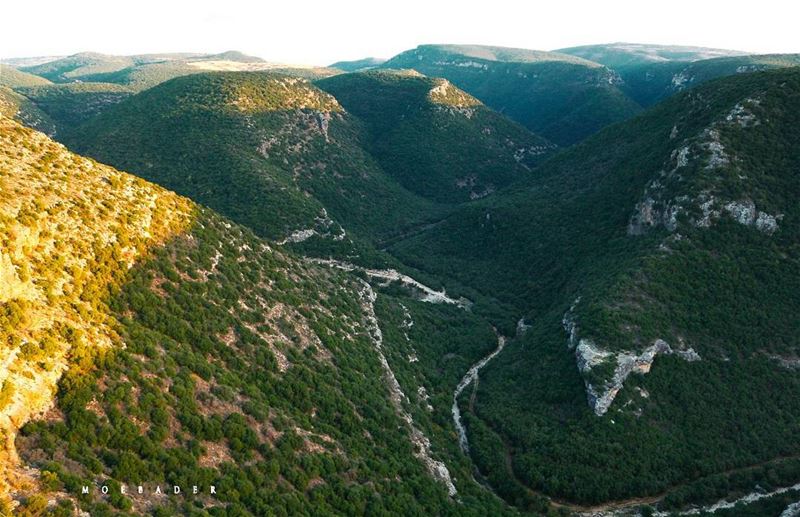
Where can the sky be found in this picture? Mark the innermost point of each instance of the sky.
(320, 32)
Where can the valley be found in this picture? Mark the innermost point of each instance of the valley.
(464, 280)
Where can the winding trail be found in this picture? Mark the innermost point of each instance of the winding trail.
(427, 294)
(438, 469)
(422, 445)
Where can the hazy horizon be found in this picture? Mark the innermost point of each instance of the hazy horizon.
(322, 33)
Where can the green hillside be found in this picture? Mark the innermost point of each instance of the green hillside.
(71, 68)
(10, 77)
(20, 108)
(93, 66)
(671, 237)
(560, 97)
(71, 104)
(649, 83)
(358, 65)
(270, 151)
(140, 72)
(166, 345)
(436, 140)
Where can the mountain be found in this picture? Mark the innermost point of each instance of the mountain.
(282, 156)
(648, 82)
(76, 66)
(18, 62)
(231, 55)
(358, 65)
(656, 265)
(272, 152)
(560, 97)
(140, 72)
(620, 56)
(469, 150)
(148, 340)
(86, 66)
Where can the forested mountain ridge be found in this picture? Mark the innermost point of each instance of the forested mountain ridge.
(560, 97)
(656, 258)
(184, 351)
(436, 140)
(283, 156)
(270, 151)
(653, 73)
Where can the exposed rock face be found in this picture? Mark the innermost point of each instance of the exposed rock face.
(744, 212)
(589, 355)
(445, 94)
(662, 205)
(793, 510)
(324, 226)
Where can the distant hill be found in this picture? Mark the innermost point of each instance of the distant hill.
(359, 64)
(560, 97)
(436, 140)
(74, 67)
(18, 62)
(622, 55)
(138, 71)
(10, 77)
(651, 83)
(651, 73)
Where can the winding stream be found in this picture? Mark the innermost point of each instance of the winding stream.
(469, 377)
(437, 468)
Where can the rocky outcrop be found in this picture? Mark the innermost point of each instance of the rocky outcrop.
(661, 205)
(793, 510)
(744, 212)
(589, 356)
(324, 227)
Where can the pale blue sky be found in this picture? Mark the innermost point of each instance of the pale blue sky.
(317, 32)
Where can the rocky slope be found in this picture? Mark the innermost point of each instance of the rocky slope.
(70, 229)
